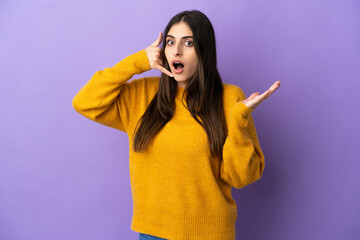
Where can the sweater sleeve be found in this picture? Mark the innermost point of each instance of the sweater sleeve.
(243, 160)
(107, 98)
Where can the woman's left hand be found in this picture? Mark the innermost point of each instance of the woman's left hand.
(255, 99)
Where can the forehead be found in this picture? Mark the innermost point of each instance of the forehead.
(180, 29)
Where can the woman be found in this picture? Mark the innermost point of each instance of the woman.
(192, 137)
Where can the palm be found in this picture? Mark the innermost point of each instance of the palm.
(256, 98)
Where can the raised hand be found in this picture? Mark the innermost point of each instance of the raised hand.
(153, 54)
(255, 99)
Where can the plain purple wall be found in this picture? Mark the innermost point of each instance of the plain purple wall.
(63, 176)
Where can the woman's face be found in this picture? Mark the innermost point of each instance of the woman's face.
(179, 46)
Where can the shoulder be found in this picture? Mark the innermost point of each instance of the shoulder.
(233, 92)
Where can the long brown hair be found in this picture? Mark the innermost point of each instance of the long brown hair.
(204, 91)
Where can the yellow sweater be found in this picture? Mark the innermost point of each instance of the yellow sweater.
(179, 191)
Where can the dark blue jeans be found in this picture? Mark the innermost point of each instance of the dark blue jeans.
(143, 236)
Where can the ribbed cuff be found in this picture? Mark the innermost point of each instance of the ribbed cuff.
(241, 108)
(135, 63)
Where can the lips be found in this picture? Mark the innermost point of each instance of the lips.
(176, 62)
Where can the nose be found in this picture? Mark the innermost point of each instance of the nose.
(177, 50)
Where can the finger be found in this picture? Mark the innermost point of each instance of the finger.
(271, 90)
(265, 95)
(253, 95)
(275, 86)
(157, 41)
(164, 70)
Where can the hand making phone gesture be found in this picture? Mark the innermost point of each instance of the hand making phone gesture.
(153, 54)
(255, 99)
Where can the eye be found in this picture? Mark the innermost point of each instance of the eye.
(189, 42)
(168, 41)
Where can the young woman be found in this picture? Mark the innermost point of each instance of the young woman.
(192, 138)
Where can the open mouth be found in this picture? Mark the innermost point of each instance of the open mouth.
(178, 65)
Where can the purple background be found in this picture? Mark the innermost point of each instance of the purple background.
(63, 176)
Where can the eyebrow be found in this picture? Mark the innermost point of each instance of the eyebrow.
(181, 38)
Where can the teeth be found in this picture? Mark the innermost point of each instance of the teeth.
(176, 64)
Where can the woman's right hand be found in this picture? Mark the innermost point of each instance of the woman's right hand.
(153, 54)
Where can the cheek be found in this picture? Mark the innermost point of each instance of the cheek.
(195, 63)
(194, 59)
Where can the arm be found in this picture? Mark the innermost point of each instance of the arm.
(243, 160)
(107, 98)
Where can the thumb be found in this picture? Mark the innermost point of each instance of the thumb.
(157, 41)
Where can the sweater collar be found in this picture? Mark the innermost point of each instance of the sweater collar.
(179, 94)
(180, 91)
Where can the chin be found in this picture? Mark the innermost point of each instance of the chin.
(180, 78)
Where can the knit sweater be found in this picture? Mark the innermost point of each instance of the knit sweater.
(179, 191)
